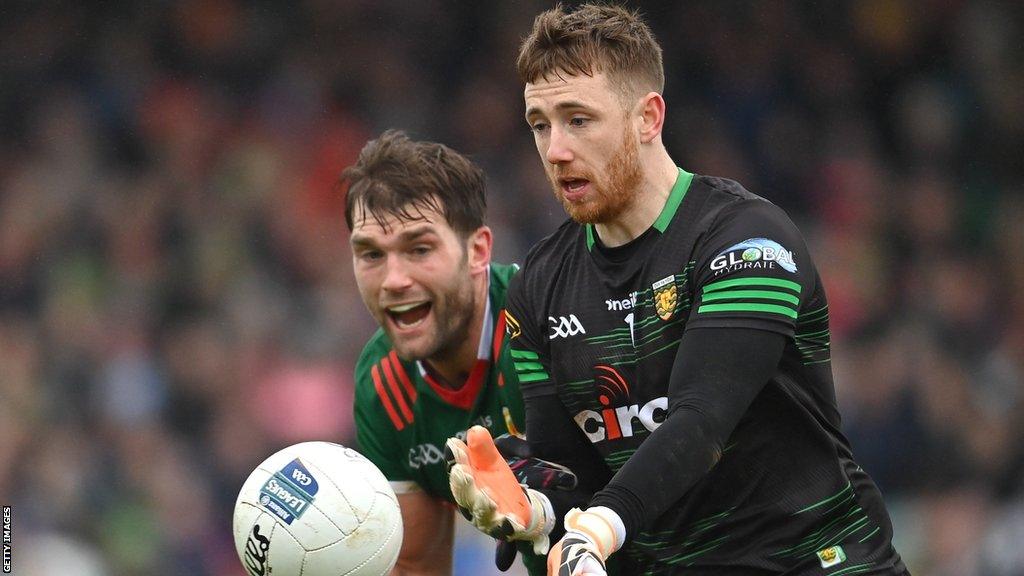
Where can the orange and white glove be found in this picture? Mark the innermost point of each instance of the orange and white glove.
(591, 536)
(490, 496)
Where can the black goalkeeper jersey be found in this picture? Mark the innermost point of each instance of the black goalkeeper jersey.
(600, 328)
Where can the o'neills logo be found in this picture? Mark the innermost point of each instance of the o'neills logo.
(255, 556)
(618, 419)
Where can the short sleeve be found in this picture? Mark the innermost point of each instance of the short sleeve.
(527, 342)
(375, 430)
(752, 270)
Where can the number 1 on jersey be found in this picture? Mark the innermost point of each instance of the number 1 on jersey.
(629, 320)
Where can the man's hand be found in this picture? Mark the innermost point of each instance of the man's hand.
(575, 555)
(490, 496)
(532, 473)
(590, 537)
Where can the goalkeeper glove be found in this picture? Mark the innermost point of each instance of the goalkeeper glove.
(533, 472)
(490, 496)
(530, 472)
(591, 535)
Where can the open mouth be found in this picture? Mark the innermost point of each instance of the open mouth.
(409, 315)
(574, 188)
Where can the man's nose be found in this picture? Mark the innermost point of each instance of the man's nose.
(396, 276)
(559, 151)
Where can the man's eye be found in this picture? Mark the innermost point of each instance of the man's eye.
(421, 250)
(578, 121)
(371, 255)
(538, 127)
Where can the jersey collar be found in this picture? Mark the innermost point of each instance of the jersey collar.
(675, 198)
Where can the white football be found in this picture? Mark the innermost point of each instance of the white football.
(317, 509)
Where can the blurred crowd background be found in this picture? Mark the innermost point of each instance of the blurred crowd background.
(176, 295)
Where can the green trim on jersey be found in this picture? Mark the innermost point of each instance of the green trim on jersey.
(752, 281)
(813, 337)
(736, 289)
(675, 198)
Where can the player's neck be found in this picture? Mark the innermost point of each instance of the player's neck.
(659, 175)
(451, 369)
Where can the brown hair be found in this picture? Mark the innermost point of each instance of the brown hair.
(594, 38)
(397, 176)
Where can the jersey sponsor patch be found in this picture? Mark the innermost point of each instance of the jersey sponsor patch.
(621, 421)
(618, 417)
(753, 253)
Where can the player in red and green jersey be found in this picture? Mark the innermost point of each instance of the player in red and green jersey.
(422, 260)
(404, 413)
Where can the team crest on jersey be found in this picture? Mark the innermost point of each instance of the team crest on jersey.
(831, 556)
(512, 326)
(666, 296)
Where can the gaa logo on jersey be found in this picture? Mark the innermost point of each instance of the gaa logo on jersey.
(562, 327)
(753, 253)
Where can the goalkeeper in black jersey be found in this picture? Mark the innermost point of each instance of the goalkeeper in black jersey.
(672, 340)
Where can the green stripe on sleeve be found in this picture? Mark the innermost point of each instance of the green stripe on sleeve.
(524, 354)
(752, 281)
(528, 366)
(748, 307)
(765, 294)
(533, 377)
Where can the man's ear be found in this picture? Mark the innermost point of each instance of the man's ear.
(478, 249)
(652, 116)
